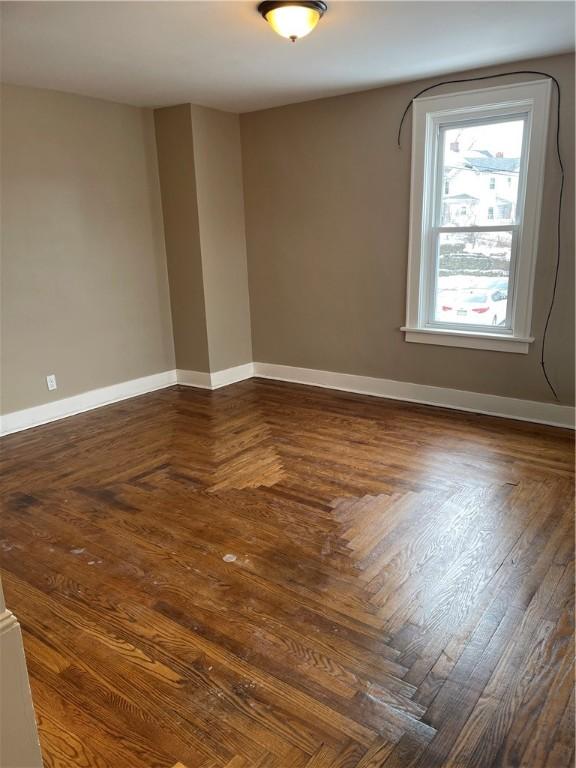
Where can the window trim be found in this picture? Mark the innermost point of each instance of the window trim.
(429, 114)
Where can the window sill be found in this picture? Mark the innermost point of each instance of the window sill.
(469, 340)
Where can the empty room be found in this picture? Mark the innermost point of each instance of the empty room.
(287, 384)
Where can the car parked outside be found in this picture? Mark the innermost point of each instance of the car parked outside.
(473, 307)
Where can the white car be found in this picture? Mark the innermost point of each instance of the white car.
(474, 307)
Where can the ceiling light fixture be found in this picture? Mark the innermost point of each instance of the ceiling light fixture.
(292, 19)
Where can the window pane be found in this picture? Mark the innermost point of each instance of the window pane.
(472, 279)
(481, 167)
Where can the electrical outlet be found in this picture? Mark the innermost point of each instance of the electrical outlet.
(51, 382)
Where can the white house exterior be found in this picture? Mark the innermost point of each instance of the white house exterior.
(479, 188)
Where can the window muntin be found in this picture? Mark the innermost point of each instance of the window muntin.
(509, 239)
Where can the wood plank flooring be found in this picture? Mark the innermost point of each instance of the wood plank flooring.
(400, 594)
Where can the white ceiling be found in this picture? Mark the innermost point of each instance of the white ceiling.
(223, 55)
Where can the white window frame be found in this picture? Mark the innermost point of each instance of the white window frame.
(531, 100)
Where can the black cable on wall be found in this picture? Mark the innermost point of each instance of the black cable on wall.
(561, 193)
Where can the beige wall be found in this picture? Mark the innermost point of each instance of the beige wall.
(327, 204)
(218, 162)
(182, 232)
(202, 199)
(84, 283)
(326, 195)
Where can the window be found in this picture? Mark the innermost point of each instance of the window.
(446, 187)
(473, 252)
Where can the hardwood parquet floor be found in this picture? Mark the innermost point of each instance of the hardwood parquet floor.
(401, 594)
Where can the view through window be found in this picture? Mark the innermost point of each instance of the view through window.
(479, 170)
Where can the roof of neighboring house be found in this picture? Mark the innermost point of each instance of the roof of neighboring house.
(460, 198)
(503, 201)
(494, 163)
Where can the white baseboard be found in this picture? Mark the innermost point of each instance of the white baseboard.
(460, 400)
(198, 379)
(232, 375)
(95, 398)
(457, 399)
(217, 379)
